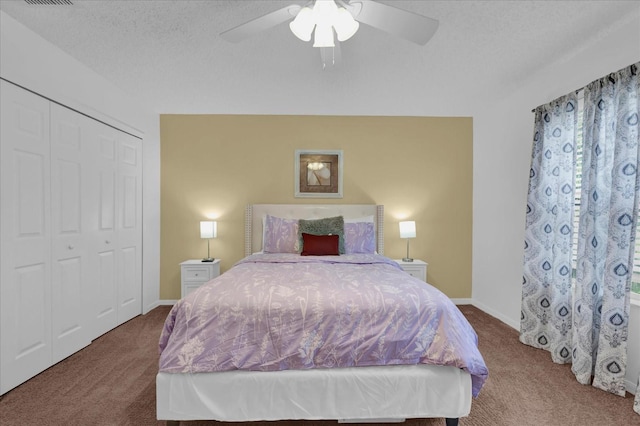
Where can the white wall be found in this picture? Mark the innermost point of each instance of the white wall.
(30, 61)
(502, 153)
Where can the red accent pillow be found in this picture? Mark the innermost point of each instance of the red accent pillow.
(320, 245)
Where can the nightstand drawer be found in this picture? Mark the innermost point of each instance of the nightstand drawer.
(195, 273)
(417, 268)
(415, 272)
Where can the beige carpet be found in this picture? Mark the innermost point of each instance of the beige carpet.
(112, 382)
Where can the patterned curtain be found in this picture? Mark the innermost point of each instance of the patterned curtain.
(590, 331)
(546, 291)
(606, 232)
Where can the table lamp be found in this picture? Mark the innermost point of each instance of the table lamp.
(408, 231)
(208, 230)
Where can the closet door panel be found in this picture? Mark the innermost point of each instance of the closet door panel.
(129, 227)
(105, 308)
(128, 290)
(103, 252)
(68, 322)
(25, 247)
(28, 215)
(71, 201)
(29, 284)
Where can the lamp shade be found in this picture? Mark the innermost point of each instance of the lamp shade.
(345, 25)
(408, 229)
(208, 229)
(302, 26)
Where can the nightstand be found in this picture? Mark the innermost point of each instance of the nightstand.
(195, 272)
(417, 268)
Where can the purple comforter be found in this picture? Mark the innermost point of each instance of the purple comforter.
(286, 311)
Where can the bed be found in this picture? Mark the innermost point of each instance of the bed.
(228, 351)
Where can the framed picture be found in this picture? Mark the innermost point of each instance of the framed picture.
(318, 174)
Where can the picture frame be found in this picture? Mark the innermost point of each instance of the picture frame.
(318, 173)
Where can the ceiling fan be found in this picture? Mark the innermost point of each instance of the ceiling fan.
(339, 19)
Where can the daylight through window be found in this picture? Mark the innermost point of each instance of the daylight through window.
(635, 280)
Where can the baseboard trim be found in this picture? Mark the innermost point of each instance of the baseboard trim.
(462, 301)
(166, 302)
(484, 308)
(631, 387)
(150, 307)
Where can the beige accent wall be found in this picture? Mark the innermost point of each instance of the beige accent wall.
(419, 168)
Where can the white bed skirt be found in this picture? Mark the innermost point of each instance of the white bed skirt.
(356, 394)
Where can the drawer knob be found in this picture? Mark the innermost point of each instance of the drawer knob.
(70, 247)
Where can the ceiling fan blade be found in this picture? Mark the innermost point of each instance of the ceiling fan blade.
(255, 26)
(408, 25)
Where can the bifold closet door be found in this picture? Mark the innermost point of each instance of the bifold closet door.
(129, 227)
(71, 232)
(104, 308)
(25, 248)
(72, 209)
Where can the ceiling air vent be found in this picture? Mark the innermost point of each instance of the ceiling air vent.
(50, 2)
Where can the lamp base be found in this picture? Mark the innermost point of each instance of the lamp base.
(208, 259)
(407, 259)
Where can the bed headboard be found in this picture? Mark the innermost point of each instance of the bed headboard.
(256, 212)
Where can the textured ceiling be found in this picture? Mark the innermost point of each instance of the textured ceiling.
(169, 53)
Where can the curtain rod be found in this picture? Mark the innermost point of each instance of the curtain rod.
(577, 91)
(633, 68)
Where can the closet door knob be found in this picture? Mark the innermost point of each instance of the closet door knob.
(107, 242)
(70, 247)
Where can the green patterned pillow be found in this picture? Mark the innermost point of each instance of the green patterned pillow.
(326, 226)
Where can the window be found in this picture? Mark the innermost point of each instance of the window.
(635, 279)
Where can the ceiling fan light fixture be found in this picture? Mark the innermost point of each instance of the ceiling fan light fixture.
(345, 25)
(323, 36)
(324, 11)
(302, 26)
(324, 17)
